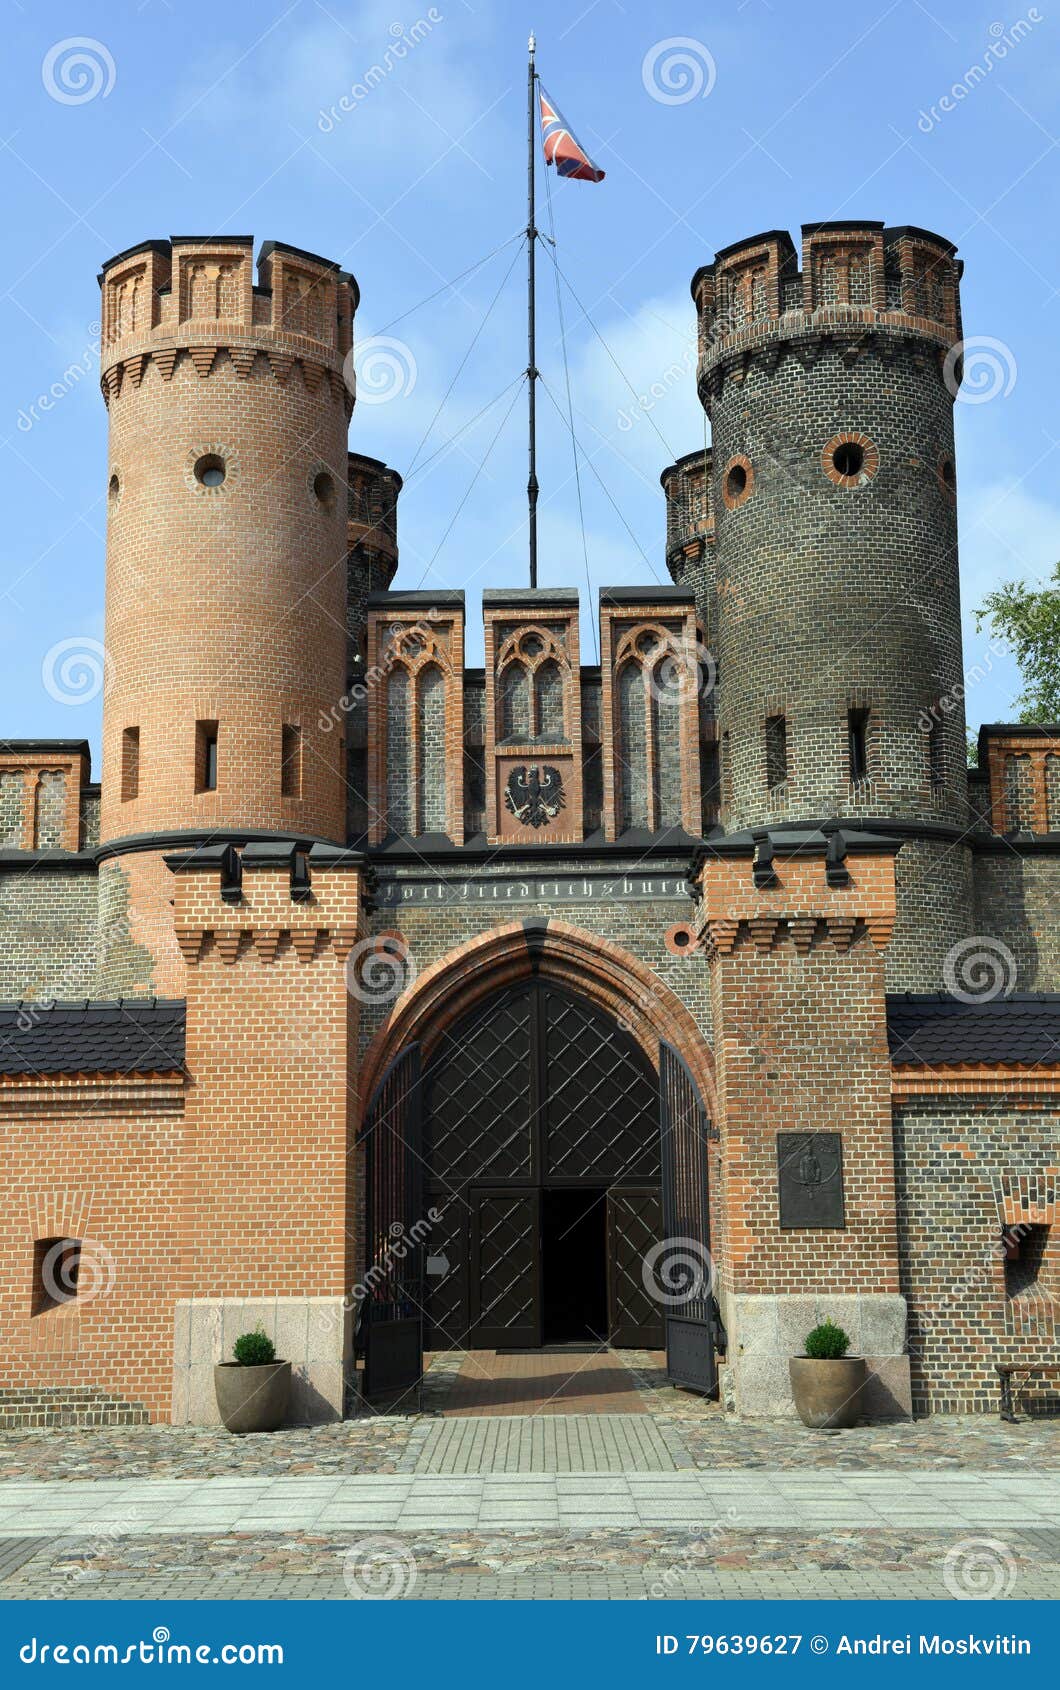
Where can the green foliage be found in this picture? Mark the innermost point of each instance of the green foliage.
(827, 1342)
(973, 751)
(1028, 619)
(254, 1349)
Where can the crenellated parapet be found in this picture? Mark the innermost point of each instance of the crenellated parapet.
(194, 298)
(277, 901)
(796, 891)
(858, 283)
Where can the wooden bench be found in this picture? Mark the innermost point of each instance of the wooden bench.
(1007, 1372)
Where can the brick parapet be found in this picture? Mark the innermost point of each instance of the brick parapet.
(192, 297)
(47, 815)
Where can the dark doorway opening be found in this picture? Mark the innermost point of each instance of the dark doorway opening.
(574, 1266)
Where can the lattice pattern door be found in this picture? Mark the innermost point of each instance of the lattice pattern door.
(506, 1268)
(684, 1266)
(634, 1227)
(601, 1094)
(479, 1105)
(445, 1275)
(393, 1309)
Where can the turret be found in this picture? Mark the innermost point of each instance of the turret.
(226, 557)
(829, 388)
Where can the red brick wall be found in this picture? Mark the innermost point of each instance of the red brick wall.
(800, 1043)
(95, 1159)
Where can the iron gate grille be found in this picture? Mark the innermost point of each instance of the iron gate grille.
(392, 1309)
(691, 1312)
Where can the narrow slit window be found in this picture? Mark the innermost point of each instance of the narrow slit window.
(934, 749)
(776, 752)
(206, 756)
(130, 763)
(291, 766)
(858, 743)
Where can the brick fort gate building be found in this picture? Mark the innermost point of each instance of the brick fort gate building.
(685, 999)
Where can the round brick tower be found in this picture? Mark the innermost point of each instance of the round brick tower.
(690, 532)
(226, 561)
(830, 398)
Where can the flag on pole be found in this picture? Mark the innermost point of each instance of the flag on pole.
(561, 147)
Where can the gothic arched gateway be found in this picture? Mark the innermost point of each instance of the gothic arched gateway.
(554, 1160)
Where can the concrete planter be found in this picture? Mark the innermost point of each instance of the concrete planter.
(252, 1399)
(827, 1393)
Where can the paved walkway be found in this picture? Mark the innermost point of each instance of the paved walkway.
(571, 1501)
(551, 1443)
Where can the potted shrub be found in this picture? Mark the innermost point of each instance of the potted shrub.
(253, 1388)
(826, 1382)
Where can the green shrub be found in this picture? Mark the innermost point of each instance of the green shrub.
(254, 1349)
(827, 1342)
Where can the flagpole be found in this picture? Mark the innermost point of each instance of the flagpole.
(531, 326)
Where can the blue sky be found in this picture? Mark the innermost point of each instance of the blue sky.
(196, 118)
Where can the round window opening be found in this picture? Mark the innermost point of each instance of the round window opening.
(113, 489)
(323, 487)
(736, 481)
(849, 458)
(210, 470)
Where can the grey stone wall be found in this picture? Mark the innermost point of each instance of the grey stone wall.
(951, 1157)
(48, 939)
(1017, 900)
(933, 883)
(832, 596)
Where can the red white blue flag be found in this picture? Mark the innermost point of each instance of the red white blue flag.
(561, 147)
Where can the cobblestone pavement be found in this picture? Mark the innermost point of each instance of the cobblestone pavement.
(385, 1444)
(513, 1564)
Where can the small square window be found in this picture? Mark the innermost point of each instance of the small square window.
(56, 1267)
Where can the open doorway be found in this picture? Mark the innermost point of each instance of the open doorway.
(574, 1266)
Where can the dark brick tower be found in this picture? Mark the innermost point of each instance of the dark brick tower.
(830, 399)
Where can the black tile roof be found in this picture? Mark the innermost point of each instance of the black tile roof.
(936, 1029)
(126, 1036)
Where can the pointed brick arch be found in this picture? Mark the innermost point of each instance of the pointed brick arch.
(601, 971)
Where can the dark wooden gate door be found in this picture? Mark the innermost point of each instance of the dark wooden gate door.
(681, 1269)
(506, 1268)
(634, 1226)
(394, 1224)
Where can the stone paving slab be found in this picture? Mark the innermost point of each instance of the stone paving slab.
(543, 1565)
(768, 1498)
